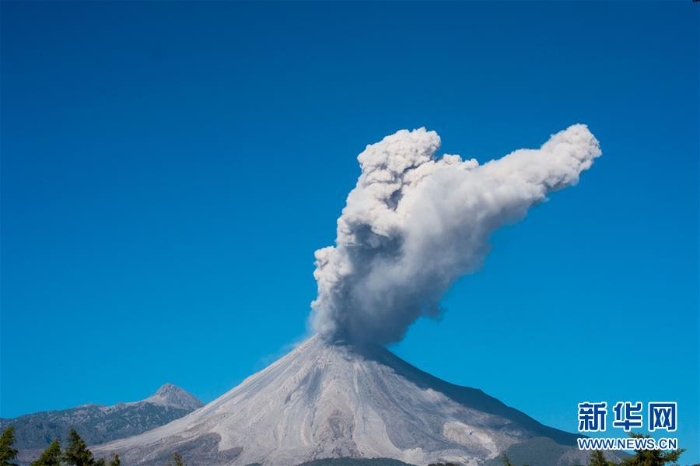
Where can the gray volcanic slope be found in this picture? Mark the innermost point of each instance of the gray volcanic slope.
(327, 400)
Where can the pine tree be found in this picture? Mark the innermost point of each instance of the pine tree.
(7, 453)
(77, 453)
(51, 456)
(598, 459)
(506, 460)
(652, 457)
(115, 461)
(177, 460)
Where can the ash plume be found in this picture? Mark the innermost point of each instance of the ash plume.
(415, 223)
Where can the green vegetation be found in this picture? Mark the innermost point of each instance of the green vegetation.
(177, 460)
(51, 456)
(76, 454)
(640, 458)
(7, 453)
(652, 457)
(506, 460)
(598, 459)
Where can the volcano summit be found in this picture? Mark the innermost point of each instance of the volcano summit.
(331, 400)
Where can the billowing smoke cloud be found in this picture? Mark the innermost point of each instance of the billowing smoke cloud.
(416, 222)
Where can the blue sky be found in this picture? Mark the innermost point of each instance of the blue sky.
(169, 168)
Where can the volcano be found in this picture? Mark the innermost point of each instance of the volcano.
(336, 400)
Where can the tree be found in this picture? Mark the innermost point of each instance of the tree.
(598, 459)
(506, 460)
(51, 456)
(77, 453)
(115, 461)
(7, 453)
(177, 460)
(652, 457)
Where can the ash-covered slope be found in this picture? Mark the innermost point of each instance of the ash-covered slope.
(332, 400)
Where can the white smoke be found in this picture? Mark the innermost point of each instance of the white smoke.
(415, 223)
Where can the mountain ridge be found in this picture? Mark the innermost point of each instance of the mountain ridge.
(99, 423)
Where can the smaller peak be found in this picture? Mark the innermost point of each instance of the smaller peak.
(168, 388)
(172, 395)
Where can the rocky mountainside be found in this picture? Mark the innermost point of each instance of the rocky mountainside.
(174, 397)
(328, 400)
(98, 424)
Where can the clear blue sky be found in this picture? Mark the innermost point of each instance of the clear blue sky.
(169, 168)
